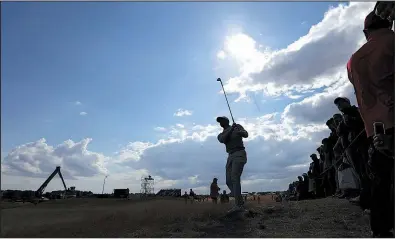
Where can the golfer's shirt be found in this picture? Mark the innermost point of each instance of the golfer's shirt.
(234, 143)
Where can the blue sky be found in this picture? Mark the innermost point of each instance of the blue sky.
(132, 65)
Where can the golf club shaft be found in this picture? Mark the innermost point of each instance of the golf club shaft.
(231, 114)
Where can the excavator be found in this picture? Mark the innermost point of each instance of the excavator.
(39, 193)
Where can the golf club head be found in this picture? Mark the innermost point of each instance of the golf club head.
(218, 79)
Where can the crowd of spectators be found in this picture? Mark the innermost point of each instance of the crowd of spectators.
(356, 161)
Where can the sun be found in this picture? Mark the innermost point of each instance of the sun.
(241, 46)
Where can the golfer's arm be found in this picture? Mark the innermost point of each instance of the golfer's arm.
(224, 137)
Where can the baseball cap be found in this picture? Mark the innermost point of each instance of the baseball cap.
(341, 98)
(218, 119)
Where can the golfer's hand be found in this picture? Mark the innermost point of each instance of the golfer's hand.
(383, 143)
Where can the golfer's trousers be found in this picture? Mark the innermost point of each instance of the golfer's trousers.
(234, 167)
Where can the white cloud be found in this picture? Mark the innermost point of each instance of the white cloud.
(38, 159)
(185, 158)
(160, 129)
(221, 55)
(181, 112)
(180, 126)
(78, 103)
(195, 157)
(318, 107)
(82, 113)
(311, 62)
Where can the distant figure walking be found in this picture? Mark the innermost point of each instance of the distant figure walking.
(232, 138)
(214, 191)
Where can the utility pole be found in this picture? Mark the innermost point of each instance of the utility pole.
(104, 183)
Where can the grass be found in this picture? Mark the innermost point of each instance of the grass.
(173, 218)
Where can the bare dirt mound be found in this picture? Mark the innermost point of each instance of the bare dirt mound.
(174, 218)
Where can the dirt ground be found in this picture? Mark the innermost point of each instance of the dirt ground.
(173, 218)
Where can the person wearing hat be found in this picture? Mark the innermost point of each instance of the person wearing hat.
(371, 70)
(351, 114)
(342, 103)
(358, 149)
(237, 157)
(214, 191)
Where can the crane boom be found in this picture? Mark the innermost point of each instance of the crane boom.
(40, 191)
(62, 179)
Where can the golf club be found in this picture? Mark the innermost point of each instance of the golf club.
(220, 80)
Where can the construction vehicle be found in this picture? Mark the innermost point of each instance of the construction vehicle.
(39, 193)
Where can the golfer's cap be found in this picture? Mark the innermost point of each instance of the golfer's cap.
(341, 98)
(220, 118)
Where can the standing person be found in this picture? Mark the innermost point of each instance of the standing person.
(333, 138)
(305, 185)
(358, 149)
(215, 191)
(316, 175)
(329, 176)
(371, 70)
(224, 198)
(232, 138)
(299, 189)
